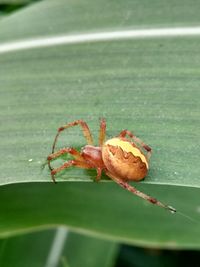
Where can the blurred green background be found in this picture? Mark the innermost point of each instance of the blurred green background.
(150, 86)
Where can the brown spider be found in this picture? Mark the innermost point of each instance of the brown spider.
(122, 159)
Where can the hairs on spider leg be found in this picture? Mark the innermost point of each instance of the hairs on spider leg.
(43, 165)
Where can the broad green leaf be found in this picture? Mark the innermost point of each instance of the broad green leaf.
(81, 250)
(55, 17)
(9, 6)
(26, 250)
(16, 2)
(103, 210)
(149, 86)
(56, 248)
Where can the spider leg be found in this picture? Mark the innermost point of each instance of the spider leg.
(99, 172)
(63, 151)
(80, 164)
(102, 132)
(76, 154)
(137, 140)
(133, 190)
(86, 132)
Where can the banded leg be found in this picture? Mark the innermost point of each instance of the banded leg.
(137, 140)
(86, 132)
(102, 132)
(66, 165)
(99, 172)
(63, 151)
(76, 154)
(133, 190)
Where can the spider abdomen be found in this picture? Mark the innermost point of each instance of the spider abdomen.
(124, 159)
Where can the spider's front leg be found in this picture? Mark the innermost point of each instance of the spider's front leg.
(133, 190)
(86, 132)
(137, 140)
(79, 160)
(79, 164)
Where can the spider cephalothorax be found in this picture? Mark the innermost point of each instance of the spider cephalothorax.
(123, 158)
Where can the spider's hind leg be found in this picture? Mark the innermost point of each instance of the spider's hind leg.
(137, 140)
(133, 190)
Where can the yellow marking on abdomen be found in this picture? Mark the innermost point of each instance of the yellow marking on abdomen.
(127, 147)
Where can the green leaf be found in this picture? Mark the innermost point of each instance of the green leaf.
(26, 250)
(56, 248)
(8, 6)
(149, 86)
(81, 250)
(16, 2)
(103, 209)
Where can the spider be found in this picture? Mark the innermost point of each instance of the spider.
(123, 158)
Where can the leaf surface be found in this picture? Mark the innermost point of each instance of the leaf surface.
(149, 86)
